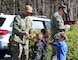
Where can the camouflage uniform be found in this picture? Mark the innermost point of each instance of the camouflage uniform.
(20, 42)
(57, 25)
(38, 50)
(45, 45)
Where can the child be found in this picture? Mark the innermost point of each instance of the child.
(61, 46)
(38, 47)
(44, 32)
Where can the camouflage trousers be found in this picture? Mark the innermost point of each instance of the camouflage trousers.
(54, 50)
(20, 52)
(53, 56)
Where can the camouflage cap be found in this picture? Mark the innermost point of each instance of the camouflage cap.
(64, 8)
(29, 8)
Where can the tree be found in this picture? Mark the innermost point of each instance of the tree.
(40, 7)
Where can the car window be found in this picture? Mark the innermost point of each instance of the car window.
(11, 24)
(2, 21)
(47, 23)
(37, 25)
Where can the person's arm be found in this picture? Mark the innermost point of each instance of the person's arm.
(29, 27)
(54, 44)
(51, 29)
(16, 25)
(31, 34)
(59, 23)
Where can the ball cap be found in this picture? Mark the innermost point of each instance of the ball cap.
(29, 8)
(64, 8)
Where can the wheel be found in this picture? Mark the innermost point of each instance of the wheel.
(2, 55)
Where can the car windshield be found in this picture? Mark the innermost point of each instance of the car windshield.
(2, 21)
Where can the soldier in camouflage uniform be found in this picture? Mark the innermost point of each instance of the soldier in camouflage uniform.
(57, 25)
(22, 30)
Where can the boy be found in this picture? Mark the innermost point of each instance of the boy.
(45, 39)
(38, 47)
(61, 46)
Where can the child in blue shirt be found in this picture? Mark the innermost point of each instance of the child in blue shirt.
(61, 46)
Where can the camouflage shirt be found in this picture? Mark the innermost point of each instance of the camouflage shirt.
(20, 25)
(57, 24)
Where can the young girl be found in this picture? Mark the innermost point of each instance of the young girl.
(61, 46)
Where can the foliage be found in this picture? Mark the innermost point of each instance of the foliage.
(72, 43)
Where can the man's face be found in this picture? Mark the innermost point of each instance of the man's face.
(26, 13)
(61, 12)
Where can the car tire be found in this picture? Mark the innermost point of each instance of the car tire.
(2, 55)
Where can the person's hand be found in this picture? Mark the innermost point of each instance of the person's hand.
(67, 27)
(26, 33)
(32, 35)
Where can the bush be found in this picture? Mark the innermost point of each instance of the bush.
(72, 43)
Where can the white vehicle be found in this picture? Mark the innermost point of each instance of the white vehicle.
(6, 29)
